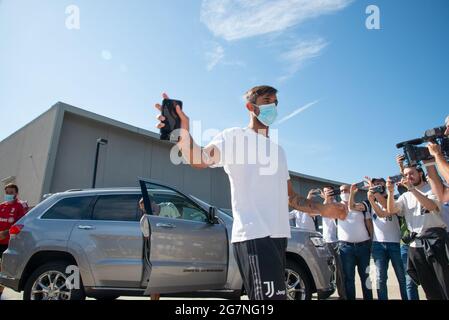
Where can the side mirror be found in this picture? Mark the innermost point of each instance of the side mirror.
(212, 216)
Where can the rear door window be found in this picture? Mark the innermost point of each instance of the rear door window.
(117, 208)
(74, 208)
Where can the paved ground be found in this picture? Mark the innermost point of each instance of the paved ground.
(393, 289)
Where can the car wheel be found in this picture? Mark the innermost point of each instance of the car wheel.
(298, 283)
(48, 282)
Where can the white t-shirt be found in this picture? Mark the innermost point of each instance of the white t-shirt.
(418, 218)
(329, 230)
(258, 175)
(353, 228)
(385, 229)
(302, 220)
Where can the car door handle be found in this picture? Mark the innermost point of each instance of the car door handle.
(165, 225)
(85, 227)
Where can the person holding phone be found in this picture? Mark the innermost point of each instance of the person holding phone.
(260, 194)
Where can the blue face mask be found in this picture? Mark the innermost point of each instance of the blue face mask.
(267, 114)
(9, 197)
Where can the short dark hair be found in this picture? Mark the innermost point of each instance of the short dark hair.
(252, 94)
(328, 187)
(374, 180)
(12, 186)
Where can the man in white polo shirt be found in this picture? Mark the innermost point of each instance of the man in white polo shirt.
(428, 262)
(260, 191)
(331, 240)
(354, 235)
(386, 240)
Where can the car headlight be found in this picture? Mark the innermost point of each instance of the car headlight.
(317, 241)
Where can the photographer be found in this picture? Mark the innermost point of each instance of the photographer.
(439, 189)
(331, 240)
(386, 240)
(259, 199)
(427, 258)
(443, 165)
(354, 236)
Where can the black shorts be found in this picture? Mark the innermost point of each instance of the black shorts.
(262, 266)
(3, 248)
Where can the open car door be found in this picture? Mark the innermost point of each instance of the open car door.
(186, 248)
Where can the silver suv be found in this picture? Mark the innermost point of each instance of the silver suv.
(97, 234)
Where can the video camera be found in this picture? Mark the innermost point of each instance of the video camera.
(414, 154)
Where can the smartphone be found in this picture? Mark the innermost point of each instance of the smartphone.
(172, 120)
(396, 179)
(361, 185)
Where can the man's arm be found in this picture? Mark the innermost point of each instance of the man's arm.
(427, 203)
(443, 166)
(353, 206)
(377, 209)
(392, 209)
(334, 210)
(438, 188)
(370, 227)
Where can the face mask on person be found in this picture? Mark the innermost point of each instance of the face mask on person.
(267, 114)
(9, 197)
(344, 197)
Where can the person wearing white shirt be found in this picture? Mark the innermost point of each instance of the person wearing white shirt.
(386, 241)
(261, 191)
(302, 220)
(331, 240)
(354, 234)
(428, 263)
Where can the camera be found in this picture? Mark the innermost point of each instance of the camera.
(415, 154)
(377, 189)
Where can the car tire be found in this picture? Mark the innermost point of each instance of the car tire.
(47, 274)
(298, 275)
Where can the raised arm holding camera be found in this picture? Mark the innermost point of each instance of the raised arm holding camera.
(427, 258)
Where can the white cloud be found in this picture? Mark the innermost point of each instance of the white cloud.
(297, 111)
(238, 19)
(302, 51)
(106, 55)
(214, 56)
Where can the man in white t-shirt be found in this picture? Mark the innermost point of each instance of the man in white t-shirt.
(354, 235)
(331, 240)
(386, 240)
(261, 191)
(428, 262)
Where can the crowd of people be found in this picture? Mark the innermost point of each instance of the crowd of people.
(408, 228)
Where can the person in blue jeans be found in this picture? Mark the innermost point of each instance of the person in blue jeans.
(412, 288)
(355, 243)
(386, 240)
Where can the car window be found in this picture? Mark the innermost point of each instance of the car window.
(117, 208)
(74, 208)
(175, 206)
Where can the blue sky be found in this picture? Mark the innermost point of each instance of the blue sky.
(369, 89)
